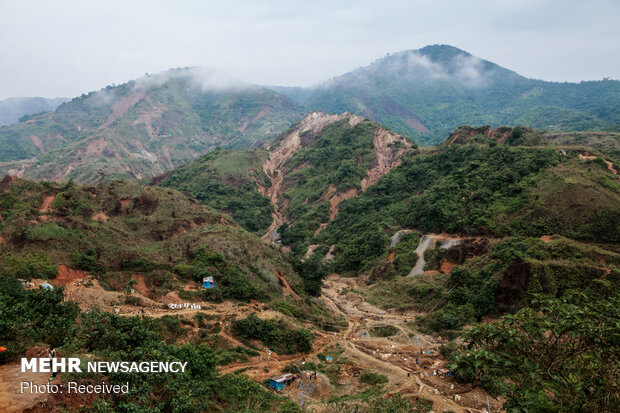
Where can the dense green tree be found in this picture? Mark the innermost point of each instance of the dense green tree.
(558, 355)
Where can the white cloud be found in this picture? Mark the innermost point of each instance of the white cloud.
(65, 48)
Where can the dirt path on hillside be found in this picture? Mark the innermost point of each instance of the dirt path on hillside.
(386, 158)
(408, 358)
(409, 371)
(610, 166)
(286, 287)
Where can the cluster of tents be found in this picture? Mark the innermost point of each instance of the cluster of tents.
(184, 305)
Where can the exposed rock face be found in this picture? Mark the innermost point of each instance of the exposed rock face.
(387, 156)
(282, 150)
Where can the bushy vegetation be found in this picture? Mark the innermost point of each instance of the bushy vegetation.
(312, 271)
(227, 181)
(372, 378)
(514, 270)
(420, 293)
(557, 355)
(33, 317)
(383, 331)
(276, 334)
(132, 229)
(28, 265)
(310, 309)
(231, 281)
(374, 400)
(337, 158)
(475, 189)
(404, 253)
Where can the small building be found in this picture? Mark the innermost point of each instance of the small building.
(280, 382)
(47, 286)
(208, 282)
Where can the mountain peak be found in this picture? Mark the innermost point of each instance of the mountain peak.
(436, 50)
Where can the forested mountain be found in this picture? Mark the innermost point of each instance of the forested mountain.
(341, 186)
(494, 185)
(227, 180)
(143, 127)
(12, 109)
(426, 93)
(492, 224)
(379, 259)
(299, 179)
(154, 124)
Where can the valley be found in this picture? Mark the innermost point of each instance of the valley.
(387, 276)
(410, 361)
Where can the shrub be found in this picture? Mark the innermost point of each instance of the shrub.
(372, 378)
(86, 260)
(277, 335)
(29, 265)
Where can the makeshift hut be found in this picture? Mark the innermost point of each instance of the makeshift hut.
(280, 382)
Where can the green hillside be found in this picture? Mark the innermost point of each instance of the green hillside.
(115, 231)
(480, 188)
(427, 93)
(608, 143)
(227, 181)
(142, 128)
(332, 165)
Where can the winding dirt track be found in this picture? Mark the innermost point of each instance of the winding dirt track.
(395, 357)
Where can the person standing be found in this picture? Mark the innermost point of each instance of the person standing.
(51, 353)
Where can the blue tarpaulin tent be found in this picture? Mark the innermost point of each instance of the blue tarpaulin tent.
(282, 381)
(208, 282)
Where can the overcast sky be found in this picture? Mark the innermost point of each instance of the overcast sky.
(65, 48)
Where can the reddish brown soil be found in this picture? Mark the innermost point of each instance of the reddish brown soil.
(141, 286)
(11, 398)
(391, 256)
(337, 199)
(37, 142)
(100, 217)
(286, 287)
(68, 275)
(123, 105)
(46, 206)
(446, 266)
(586, 156)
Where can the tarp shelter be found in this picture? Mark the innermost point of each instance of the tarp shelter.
(280, 382)
(47, 286)
(208, 282)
